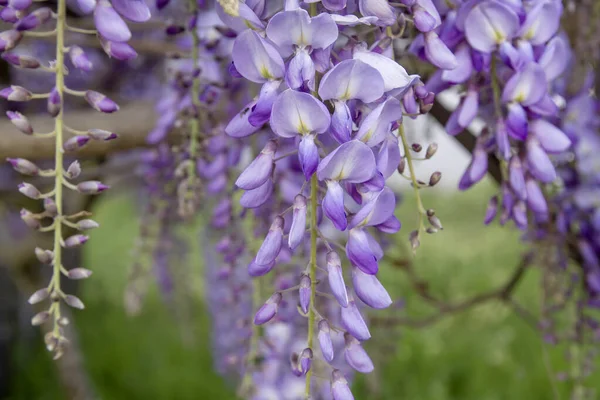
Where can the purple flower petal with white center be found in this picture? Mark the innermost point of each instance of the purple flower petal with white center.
(353, 321)
(377, 210)
(516, 177)
(259, 170)
(333, 205)
(489, 24)
(255, 269)
(555, 58)
(339, 386)
(336, 278)
(133, 10)
(552, 139)
(376, 126)
(301, 69)
(438, 53)
(395, 77)
(386, 15)
(271, 246)
(370, 290)
(239, 126)
(352, 79)
(356, 356)
(360, 253)
(352, 162)
(256, 59)
(542, 22)
(261, 112)
(388, 156)
(109, 23)
(539, 163)
(535, 197)
(298, 113)
(516, 121)
(257, 197)
(527, 86)
(308, 154)
(298, 228)
(268, 310)
(324, 338)
(464, 68)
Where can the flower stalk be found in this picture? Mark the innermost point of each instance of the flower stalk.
(314, 232)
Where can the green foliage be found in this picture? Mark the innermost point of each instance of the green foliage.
(487, 353)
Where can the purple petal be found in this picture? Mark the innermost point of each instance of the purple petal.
(298, 228)
(376, 126)
(388, 157)
(339, 387)
(255, 269)
(271, 246)
(239, 126)
(352, 162)
(133, 10)
(109, 23)
(324, 338)
(469, 109)
(356, 356)
(308, 154)
(333, 205)
(334, 5)
(516, 121)
(336, 278)
(516, 177)
(555, 58)
(488, 24)
(464, 67)
(390, 226)
(353, 321)
(438, 53)
(527, 86)
(542, 22)
(370, 290)
(535, 197)
(255, 59)
(261, 112)
(341, 122)
(360, 253)
(352, 79)
(298, 113)
(381, 9)
(539, 163)
(301, 69)
(259, 170)
(393, 74)
(376, 211)
(551, 138)
(257, 197)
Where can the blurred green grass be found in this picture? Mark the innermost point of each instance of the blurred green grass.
(487, 353)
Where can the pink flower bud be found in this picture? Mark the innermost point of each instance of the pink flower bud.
(74, 170)
(75, 143)
(24, 166)
(100, 102)
(38, 296)
(79, 273)
(15, 93)
(30, 219)
(100, 134)
(20, 122)
(74, 301)
(91, 187)
(29, 190)
(75, 240)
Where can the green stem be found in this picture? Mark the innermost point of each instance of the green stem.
(413, 177)
(58, 157)
(314, 194)
(195, 93)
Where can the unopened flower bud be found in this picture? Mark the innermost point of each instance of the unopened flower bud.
(40, 318)
(324, 337)
(430, 212)
(431, 230)
(80, 59)
(30, 219)
(63, 321)
(87, 224)
(402, 165)
(416, 147)
(435, 178)
(74, 170)
(431, 150)
(51, 341)
(44, 256)
(16, 93)
(75, 143)
(305, 291)
(17, 4)
(100, 102)
(9, 39)
(75, 240)
(38, 296)
(91, 187)
(54, 296)
(268, 310)
(339, 385)
(20, 122)
(413, 238)
(79, 273)
(29, 190)
(50, 207)
(21, 61)
(305, 360)
(100, 134)
(119, 50)
(24, 166)
(9, 14)
(34, 19)
(74, 301)
(54, 103)
(435, 222)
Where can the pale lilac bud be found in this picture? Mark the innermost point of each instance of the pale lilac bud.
(324, 337)
(268, 310)
(259, 170)
(100, 134)
(75, 143)
(79, 273)
(50, 207)
(75, 240)
(305, 360)
(9, 39)
(370, 290)
(74, 301)
(34, 20)
(16, 93)
(38, 296)
(29, 190)
(356, 356)
(9, 14)
(435, 178)
(100, 102)
(339, 386)
(86, 6)
(44, 256)
(21, 60)
(74, 170)
(80, 59)
(353, 321)
(431, 150)
(298, 227)
(336, 279)
(40, 318)
(91, 187)
(20, 122)
(54, 103)
(413, 238)
(119, 50)
(24, 166)
(87, 224)
(271, 246)
(305, 291)
(109, 24)
(435, 222)
(18, 4)
(30, 219)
